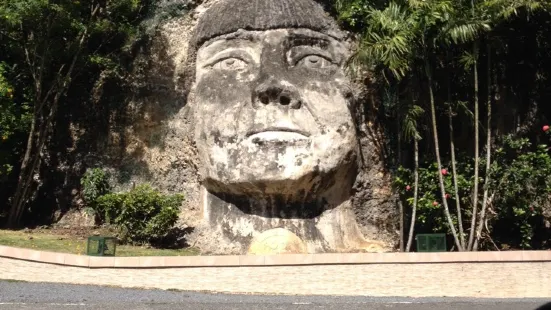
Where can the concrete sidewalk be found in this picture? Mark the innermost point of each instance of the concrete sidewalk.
(497, 279)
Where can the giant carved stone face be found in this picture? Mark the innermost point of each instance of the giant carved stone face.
(273, 113)
(274, 127)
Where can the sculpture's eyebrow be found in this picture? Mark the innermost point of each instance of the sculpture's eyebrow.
(230, 38)
(297, 39)
(221, 45)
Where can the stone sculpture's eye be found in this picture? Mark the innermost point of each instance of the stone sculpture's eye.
(230, 64)
(314, 62)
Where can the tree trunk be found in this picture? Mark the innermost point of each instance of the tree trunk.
(32, 153)
(488, 152)
(415, 193)
(438, 160)
(454, 164)
(455, 184)
(31, 163)
(476, 149)
(15, 210)
(399, 162)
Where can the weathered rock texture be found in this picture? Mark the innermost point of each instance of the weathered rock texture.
(230, 16)
(270, 135)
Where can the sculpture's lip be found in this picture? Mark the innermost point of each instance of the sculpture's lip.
(302, 133)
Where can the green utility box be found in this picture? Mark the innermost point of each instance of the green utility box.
(431, 243)
(101, 246)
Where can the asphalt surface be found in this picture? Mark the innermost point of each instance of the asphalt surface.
(24, 295)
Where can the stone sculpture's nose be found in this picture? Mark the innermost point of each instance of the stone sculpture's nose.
(281, 94)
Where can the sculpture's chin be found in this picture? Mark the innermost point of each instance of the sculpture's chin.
(310, 179)
(263, 182)
(288, 164)
(302, 190)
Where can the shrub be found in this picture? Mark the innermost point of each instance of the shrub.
(143, 214)
(519, 188)
(521, 179)
(430, 215)
(94, 185)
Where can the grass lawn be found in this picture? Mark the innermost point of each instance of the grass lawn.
(52, 242)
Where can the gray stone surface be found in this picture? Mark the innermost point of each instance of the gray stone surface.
(230, 16)
(21, 295)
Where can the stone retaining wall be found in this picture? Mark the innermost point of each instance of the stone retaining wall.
(484, 274)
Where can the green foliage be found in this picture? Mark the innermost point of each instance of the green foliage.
(389, 40)
(59, 54)
(48, 34)
(7, 118)
(7, 121)
(143, 214)
(414, 46)
(409, 124)
(430, 216)
(400, 33)
(353, 12)
(95, 183)
(510, 8)
(14, 119)
(41, 40)
(520, 188)
(521, 182)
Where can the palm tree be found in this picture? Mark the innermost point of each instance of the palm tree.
(454, 167)
(410, 131)
(461, 29)
(395, 38)
(496, 12)
(386, 44)
(403, 37)
(434, 16)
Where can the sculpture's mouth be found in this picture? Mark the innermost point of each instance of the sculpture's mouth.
(277, 134)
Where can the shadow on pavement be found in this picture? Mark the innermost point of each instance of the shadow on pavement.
(547, 306)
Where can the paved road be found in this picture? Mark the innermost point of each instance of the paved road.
(23, 295)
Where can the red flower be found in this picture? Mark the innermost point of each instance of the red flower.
(448, 196)
(546, 128)
(435, 203)
(408, 188)
(444, 171)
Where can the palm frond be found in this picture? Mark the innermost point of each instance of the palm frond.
(389, 39)
(409, 124)
(462, 106)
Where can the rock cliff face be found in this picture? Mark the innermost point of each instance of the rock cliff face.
(152, 139)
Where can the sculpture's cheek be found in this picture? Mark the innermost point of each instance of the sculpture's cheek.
(221, 107)
(217, 92)
(330, 108)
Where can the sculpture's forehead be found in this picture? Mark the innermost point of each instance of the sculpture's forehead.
(289, 37)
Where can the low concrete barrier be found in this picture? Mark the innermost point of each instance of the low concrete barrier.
(511, 274)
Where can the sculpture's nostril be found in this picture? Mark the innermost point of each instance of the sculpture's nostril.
(275, 94)
(284, 100)
(265, 99)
